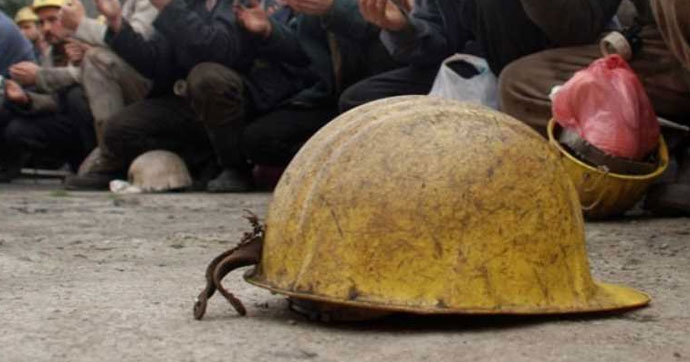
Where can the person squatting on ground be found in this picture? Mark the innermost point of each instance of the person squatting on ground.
(662, 64)
(340, 48)
(53, 121)
(109, 82)
(499, 30)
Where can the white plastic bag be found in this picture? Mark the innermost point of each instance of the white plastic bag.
(123, 187)
(481, 88)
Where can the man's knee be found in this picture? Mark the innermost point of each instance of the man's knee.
(350, 98)
(15, 130)
(523, 92)
(21, 133)
(508, 83)
(119, 134)
(100, 58)
(213, 80)
(74, 97)
(216, 94)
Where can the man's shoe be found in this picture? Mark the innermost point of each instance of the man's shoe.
(9, 174)
(89, 182)
(670, 199)
(231, 181)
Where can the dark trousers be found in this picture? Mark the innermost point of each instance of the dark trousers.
(218, 96)
(66, 135)
(166, 123)
(401, 81)
(208, 121)
(274, 139)
(525, 84)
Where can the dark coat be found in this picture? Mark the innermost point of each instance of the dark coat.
(311, 40)
(187, 35)
(505, 30)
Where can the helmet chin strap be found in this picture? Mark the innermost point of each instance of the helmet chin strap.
(248, 252)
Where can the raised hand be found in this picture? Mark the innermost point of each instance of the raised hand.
(25, 73)
(75, 50)
(112, 11)
(254, 19)
(384, 14)
(311, 7)
(160, 4)
(14, 92)
(71, 14)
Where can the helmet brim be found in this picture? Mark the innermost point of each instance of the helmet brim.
(606, 298)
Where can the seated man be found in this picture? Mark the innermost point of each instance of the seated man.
(109, 82)
(58, 123)
(342, 48)
(502, 31)
(15, 48)
(54, 71)
(198, 41)
(662, 63)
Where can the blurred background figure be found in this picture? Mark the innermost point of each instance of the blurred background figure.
(45, 113)
(15, 48)
(27, 21)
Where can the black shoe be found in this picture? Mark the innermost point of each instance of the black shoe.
(231, 181)
(11, 165)
(9, 174)
(89, 182)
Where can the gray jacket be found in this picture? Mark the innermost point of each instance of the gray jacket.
(139, 13)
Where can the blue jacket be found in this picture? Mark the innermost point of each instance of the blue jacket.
(14, 48)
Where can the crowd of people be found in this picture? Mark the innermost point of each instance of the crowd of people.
(235, 85)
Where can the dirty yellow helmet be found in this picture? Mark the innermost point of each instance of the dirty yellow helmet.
(39, 4)
(159, 171)
(603, 193)
(25, 14)
(430, 206)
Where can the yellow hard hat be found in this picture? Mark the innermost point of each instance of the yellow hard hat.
(605, 194)
(39, 4)
(159, 171)
(430, 206)
(25, 14)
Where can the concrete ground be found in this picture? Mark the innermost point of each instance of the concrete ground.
(95, 277)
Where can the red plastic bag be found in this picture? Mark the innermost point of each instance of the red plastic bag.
(608, 107)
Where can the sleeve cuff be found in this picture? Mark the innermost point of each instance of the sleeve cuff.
(91, 31)
(404, 38)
